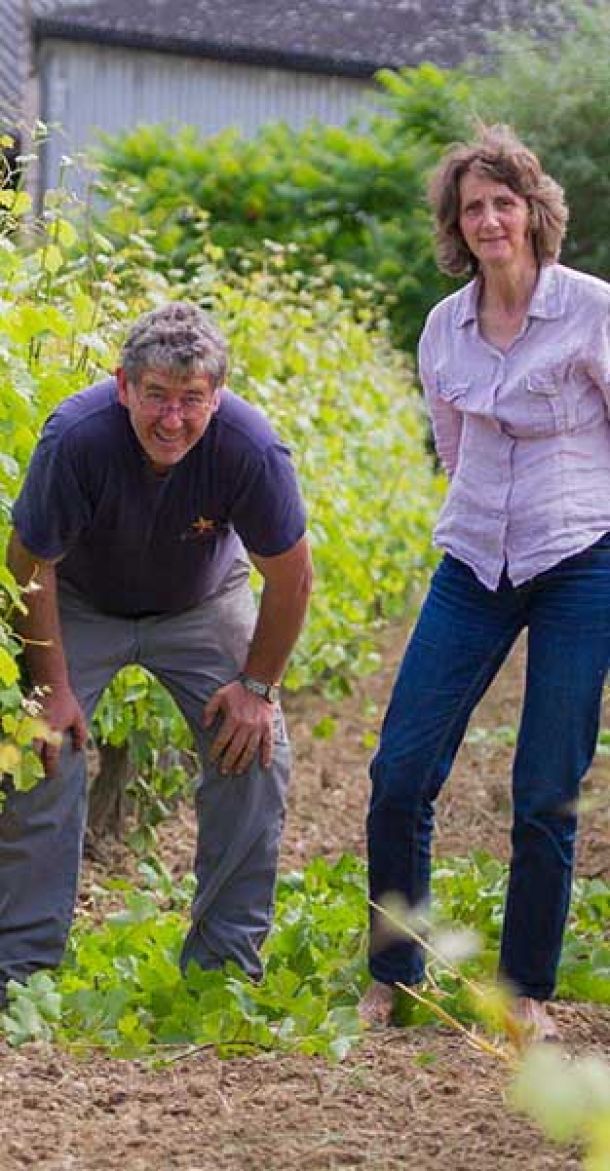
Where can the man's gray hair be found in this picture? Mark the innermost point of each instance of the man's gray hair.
(179, 338)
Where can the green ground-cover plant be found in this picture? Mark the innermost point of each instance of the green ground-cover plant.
(120, 988)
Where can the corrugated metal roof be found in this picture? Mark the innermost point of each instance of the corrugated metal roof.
(341, 36)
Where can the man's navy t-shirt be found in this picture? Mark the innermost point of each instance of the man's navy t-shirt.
(136, 543)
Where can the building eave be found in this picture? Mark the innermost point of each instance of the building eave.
(46, 28)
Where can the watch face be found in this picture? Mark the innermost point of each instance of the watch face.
(268, 691)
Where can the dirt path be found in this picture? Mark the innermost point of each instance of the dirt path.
(402, 1100)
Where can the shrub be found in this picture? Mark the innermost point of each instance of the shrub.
(353, 196)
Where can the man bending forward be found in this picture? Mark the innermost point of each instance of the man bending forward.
(145, 498)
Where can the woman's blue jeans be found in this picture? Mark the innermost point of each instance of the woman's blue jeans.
(463, 635)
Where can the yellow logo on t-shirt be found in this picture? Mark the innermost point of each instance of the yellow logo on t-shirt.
(202, 525)
(198, 528)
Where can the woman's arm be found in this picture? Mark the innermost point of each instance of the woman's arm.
(446, 421)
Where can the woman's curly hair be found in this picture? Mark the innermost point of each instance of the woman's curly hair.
(499, 155)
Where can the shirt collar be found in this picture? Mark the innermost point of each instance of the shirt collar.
(547, 300)
(467, 303)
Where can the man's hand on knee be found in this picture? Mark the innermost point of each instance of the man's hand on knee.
(245, 731)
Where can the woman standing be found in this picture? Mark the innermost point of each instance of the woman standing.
(516, 372)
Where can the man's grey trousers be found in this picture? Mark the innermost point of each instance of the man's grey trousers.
(240, 818)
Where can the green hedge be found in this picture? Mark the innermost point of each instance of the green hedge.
(354, 196)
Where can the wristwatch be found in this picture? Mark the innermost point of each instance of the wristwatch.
(268, 691)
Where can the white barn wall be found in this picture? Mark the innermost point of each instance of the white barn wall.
(87, 88)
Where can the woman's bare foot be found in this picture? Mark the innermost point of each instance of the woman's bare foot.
(536, 1022)
(376, 1006)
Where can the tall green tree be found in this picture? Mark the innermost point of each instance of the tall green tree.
(556, 93)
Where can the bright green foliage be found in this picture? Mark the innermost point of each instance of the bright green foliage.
(569, 1100)
(342, 398)
(60, 313)
(557, 95)
(137, 712)
(36, 1016)
(120, 986)
(472, 891)
(329, 380)
(20, 723)
(589, 981)
(24, 320)
(470, 894)
(353, 196)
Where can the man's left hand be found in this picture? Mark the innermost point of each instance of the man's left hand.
(246, 728)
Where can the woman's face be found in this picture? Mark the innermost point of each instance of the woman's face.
(494, 222)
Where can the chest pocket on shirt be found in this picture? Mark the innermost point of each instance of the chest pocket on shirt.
(551, 400)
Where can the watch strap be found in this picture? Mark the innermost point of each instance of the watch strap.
(268, 691)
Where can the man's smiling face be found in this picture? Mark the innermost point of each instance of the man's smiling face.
(169, 412)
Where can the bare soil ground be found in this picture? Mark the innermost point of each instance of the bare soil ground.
(403, 1099)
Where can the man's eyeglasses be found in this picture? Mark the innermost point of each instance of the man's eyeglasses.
(192, 406)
